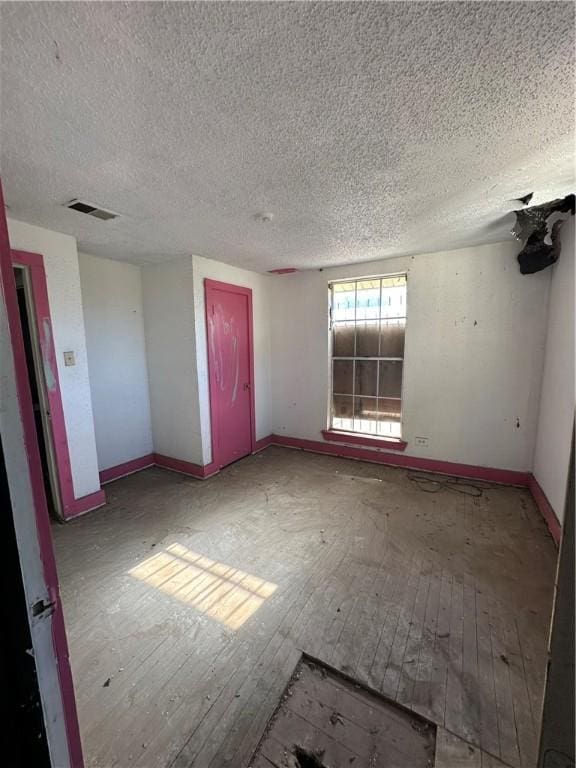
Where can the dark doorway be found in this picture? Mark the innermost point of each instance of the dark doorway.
(22, 719)
(37, 390)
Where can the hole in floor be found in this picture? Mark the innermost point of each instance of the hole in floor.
(306, 759)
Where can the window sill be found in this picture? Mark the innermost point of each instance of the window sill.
(353, 438)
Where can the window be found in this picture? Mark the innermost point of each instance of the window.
(367, 325)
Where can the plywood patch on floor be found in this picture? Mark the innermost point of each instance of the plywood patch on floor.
(325, 720)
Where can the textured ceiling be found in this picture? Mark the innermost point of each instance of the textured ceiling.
(366, 129)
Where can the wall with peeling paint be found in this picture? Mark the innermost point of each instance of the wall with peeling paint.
(168, 292)
(114, 321)
(473, 359)
(63, 283)
(556, 417)
(261, 286)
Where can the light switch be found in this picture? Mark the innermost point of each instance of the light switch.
(69, 358)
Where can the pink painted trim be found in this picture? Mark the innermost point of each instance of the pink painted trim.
(490, 474)
(335, 436)
(86, 504)
(264, 442)
(283, 271)
(216, 285)
(8, 287)
(504, 476)
(126, 468)
(35, 264)
(167, 462)
(546, 510)
(186, 467)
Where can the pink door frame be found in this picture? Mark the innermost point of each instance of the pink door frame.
(35, 265)
(216, 285)
(40, 507)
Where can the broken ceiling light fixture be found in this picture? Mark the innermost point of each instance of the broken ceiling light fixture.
(538, 228)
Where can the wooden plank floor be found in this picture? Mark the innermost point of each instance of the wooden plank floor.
(452, 752)
(187, 605)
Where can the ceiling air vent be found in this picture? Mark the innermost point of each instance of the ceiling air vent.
(91, 210)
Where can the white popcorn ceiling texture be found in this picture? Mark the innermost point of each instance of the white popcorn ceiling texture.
(367, 129)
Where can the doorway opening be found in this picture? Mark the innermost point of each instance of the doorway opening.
(38, 391)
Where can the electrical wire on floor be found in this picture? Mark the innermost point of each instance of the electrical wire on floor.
(429, 484)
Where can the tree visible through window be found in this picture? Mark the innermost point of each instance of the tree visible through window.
(367, 322)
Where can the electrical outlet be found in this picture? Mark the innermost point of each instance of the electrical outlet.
(69, 358)
(422, 442)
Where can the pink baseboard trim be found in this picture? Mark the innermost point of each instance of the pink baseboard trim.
(85, 504)
(489, 474)
(185, 467)
(167, 462)
(545, 509)
(263, 443)
(334, 436)
(126, 468)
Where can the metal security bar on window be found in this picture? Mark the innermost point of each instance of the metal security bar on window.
(367, 324)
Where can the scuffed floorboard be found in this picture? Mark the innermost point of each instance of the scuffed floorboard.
(188, 603)
(452, 752)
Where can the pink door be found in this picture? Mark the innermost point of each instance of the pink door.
(230, 364)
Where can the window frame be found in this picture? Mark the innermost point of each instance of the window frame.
(335, 433)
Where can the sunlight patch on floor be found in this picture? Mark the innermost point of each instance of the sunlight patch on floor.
(220, 591)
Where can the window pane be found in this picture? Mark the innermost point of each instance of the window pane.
(343, 378)
(342, 413)
(392, 338)
(390, 379)
(343, 340)
(368, 299)
(394, 297)
(389, 409)
(343, 301)
(389, 429)
(367, 339)
(366, 377)
(394, 281)
(365, 415)
(368, 332)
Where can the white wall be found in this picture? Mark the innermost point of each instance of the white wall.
(168, 293)
(113, 317)
(63, 282)
(473, 356)
(556, 418)
(475, 342)
(261, 286)
(175, 329)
